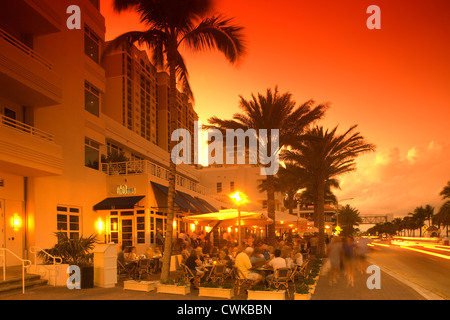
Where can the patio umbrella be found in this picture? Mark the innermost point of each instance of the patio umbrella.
(228, 218)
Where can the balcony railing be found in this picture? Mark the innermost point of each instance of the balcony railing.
(25, 128)
(147, 167)
(28, 51)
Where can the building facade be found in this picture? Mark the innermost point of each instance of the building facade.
(58, 124)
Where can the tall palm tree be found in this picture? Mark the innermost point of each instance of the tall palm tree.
(349, 217)
(309, 195)
(272, 111)
(398, 224)
(443, 216)
(445, 193)
(171, 24)
(421, 214)
(326, 155)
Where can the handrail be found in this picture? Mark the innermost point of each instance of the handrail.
(25, 128)
(25, 264)
(35, 251)
(28, 51)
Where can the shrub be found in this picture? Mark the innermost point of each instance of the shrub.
(302, 289)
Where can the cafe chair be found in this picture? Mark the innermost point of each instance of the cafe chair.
(121, 268)
(241, 282)
(281, 278)
(189, 276)
(144, 268)
(217, 273)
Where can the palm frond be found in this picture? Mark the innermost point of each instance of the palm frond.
(218, 33)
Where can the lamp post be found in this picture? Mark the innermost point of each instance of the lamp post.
(239, 198)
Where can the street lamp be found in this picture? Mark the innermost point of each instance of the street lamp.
(239, 198)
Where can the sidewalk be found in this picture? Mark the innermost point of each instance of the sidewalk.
(391, 289)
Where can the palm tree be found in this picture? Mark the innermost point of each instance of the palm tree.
(421, 214)
(443, 216)
(289, 181)
(326, 155)
(309, 195)
(445, 193)
(398, 224)
(171, 24)
(272, 111)
(348, 217)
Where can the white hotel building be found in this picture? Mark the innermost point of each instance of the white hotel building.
(53, 132)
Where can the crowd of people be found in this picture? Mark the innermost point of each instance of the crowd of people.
(344, 254)
(246, 258)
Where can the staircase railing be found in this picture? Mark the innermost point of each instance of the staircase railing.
(36, 250)
(25, 264)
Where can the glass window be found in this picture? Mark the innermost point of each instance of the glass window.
(68, 221)
(91, 154)
(219, 187)
(91, 44)
(91, 99)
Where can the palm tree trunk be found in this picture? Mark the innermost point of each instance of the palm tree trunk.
(271, 209)
(165, 272)
(291, 203)
(320, 214)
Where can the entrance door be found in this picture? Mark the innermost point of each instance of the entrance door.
(127, 232)
(2, 224)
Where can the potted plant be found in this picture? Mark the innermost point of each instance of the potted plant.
(178, 286)
(75, 252)
(311, 283)
(265, 293)
(302, 292)
(215, 290)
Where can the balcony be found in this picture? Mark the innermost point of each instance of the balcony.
(28, 151)
(25, 76)
(153, 170)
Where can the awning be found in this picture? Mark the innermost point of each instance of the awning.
(178, 199)
(207, 204)
(229, 217)
(195, 202)
(118, 203)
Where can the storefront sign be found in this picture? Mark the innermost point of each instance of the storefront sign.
(124, 189)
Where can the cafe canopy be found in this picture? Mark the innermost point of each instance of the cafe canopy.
(229, 218)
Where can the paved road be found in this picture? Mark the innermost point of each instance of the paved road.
(429, 272)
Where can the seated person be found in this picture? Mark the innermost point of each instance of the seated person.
(121, 256)
(257, 259)
(244, 265)
(195, 264)
(276, 263)
(298, 258)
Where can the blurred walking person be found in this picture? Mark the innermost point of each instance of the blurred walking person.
(334, 257)
(348, 247)
(361, 249)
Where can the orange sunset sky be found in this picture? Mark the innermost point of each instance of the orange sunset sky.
(394, 83)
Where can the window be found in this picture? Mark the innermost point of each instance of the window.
(91, 44)
(91, 99)
(114, 237)
(68, 221)
(232, 186)
(91, 154)
(140, 228)
(219, 187)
